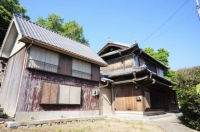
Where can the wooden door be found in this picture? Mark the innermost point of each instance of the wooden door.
(157, 99)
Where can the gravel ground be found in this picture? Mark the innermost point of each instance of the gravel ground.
(97, 126)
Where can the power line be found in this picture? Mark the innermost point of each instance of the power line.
(165, 21)
(173, 26)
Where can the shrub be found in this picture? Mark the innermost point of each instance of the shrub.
(188, 80)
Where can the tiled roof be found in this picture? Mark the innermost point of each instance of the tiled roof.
(42, 34)
(122, 72)
(122, 44)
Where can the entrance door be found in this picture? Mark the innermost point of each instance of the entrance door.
(157, 99)
(105, 101)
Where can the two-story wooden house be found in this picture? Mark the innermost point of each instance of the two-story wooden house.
(47, 75)
(134, 82)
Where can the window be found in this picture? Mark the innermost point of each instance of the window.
(160, 72)
(60, 94)
(69, 94)
(151, 67)
(49, 93)
(43, 59)
(81, 69)
(136, 59)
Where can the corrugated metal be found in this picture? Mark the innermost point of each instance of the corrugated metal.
(29, 98)
(37, 32)
(95, 72)
(10, 86)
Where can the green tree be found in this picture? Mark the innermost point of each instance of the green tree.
(161, 54)
(71, 28)
(53, 22)
(7, 8)
(188, 80)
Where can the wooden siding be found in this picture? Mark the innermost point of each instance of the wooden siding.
(65, 65)
(125, 98)
(147, 100)
(169, 106)
(129, 61)
(118, 64)
(10, 87)
(29, 98)
(95, 72)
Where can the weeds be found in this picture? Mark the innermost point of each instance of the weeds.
(133, 125)
(141, 122)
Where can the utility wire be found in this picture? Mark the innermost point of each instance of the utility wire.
(165, 21)
(173, 26)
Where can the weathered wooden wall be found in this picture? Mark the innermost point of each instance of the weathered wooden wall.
(119, 64)
(31, 86)
(10, 87)
(125, 98)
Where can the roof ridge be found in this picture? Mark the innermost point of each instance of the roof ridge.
(48, 29)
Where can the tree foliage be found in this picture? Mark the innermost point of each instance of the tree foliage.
(71, 28)
(7, 8)
(188, 81)
(161, 54)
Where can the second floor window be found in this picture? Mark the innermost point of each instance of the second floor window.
(160, 72)
(136, 59)
(43, 59)
(81, 69)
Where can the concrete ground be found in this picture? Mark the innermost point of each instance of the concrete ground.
(170, 122)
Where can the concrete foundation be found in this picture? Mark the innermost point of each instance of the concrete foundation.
(39, 123)
(138, 113)
(39, 115)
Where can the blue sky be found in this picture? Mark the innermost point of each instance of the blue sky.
(129, 20)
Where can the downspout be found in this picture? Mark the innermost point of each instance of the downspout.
(104, 86)
(30, 44)
(113, 100)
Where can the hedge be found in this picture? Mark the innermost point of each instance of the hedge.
(189, 100)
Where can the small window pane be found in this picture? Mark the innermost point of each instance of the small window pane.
(136, 60)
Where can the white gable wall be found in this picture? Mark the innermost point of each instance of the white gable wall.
(10, 45)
